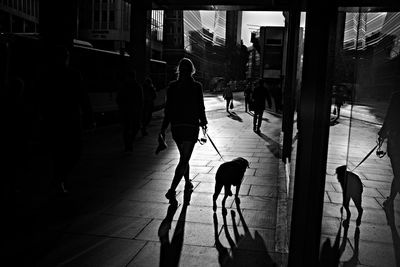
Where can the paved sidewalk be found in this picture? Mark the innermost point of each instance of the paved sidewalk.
(117, 214)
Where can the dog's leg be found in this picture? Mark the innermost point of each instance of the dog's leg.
(237, 194)
(217, 190)
(228, 192)
(357, 202)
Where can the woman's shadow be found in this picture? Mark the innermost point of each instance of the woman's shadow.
(170, 251)
(247, 250)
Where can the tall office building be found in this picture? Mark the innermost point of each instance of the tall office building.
(19, 16)
(233, 28)
(220, 26)
(364, 26)
(104, 23)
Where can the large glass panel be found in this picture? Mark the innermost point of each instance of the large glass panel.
(359, 173)
(290, 166)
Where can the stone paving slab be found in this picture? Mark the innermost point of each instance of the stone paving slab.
(84, 250)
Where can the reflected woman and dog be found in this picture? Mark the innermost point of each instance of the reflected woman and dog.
(246, 250)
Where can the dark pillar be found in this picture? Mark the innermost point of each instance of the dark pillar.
(138, 33)
(57, 21)
(290, 82)
(313, 132)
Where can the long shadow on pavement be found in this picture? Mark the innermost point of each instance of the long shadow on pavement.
(234, 116)
(272, 145)
(330, 255)
(247, 250)
(170, 251)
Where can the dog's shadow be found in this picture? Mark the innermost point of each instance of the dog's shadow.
(170, 250)
(330, 255)
(234, 116)
(247, 250)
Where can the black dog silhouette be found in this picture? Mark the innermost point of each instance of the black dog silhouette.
(352, 188)
(228, 174)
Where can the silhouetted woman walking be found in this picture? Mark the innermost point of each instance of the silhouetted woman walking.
(185, 111)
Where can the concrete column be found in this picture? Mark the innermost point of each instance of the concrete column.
(313, 133)
(138, 32)
(58, 21)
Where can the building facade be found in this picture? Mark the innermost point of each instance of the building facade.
(19, 16)
(105, 24)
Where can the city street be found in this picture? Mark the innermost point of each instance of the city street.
(117, 215)
(114, 214)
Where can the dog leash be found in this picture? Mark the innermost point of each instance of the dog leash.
(379, 153)
(203, 140)
(215, 147)
(369, 153)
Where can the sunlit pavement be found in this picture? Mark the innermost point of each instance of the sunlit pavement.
(117, 214)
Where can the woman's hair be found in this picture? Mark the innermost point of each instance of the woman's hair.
(185, 68)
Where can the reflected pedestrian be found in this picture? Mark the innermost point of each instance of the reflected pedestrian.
(228, 95)
(149, 95)
(247, 96)
(63, 100)
(130, 104)
(391, 130)
(185, 111)
(276, 92)
(260, 93)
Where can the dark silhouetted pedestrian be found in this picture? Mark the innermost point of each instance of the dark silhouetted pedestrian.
(391, 130)
(228, 95)
(260, 93)
(130, 104)
(248, 90)
(66, 110)
(185, 111)
(149, 95)
(274, 88)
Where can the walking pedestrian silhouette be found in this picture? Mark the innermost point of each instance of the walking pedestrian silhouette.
(65, 108)
(130, 104)
(391, 130)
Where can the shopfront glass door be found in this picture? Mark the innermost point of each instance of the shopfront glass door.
(366, 77)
